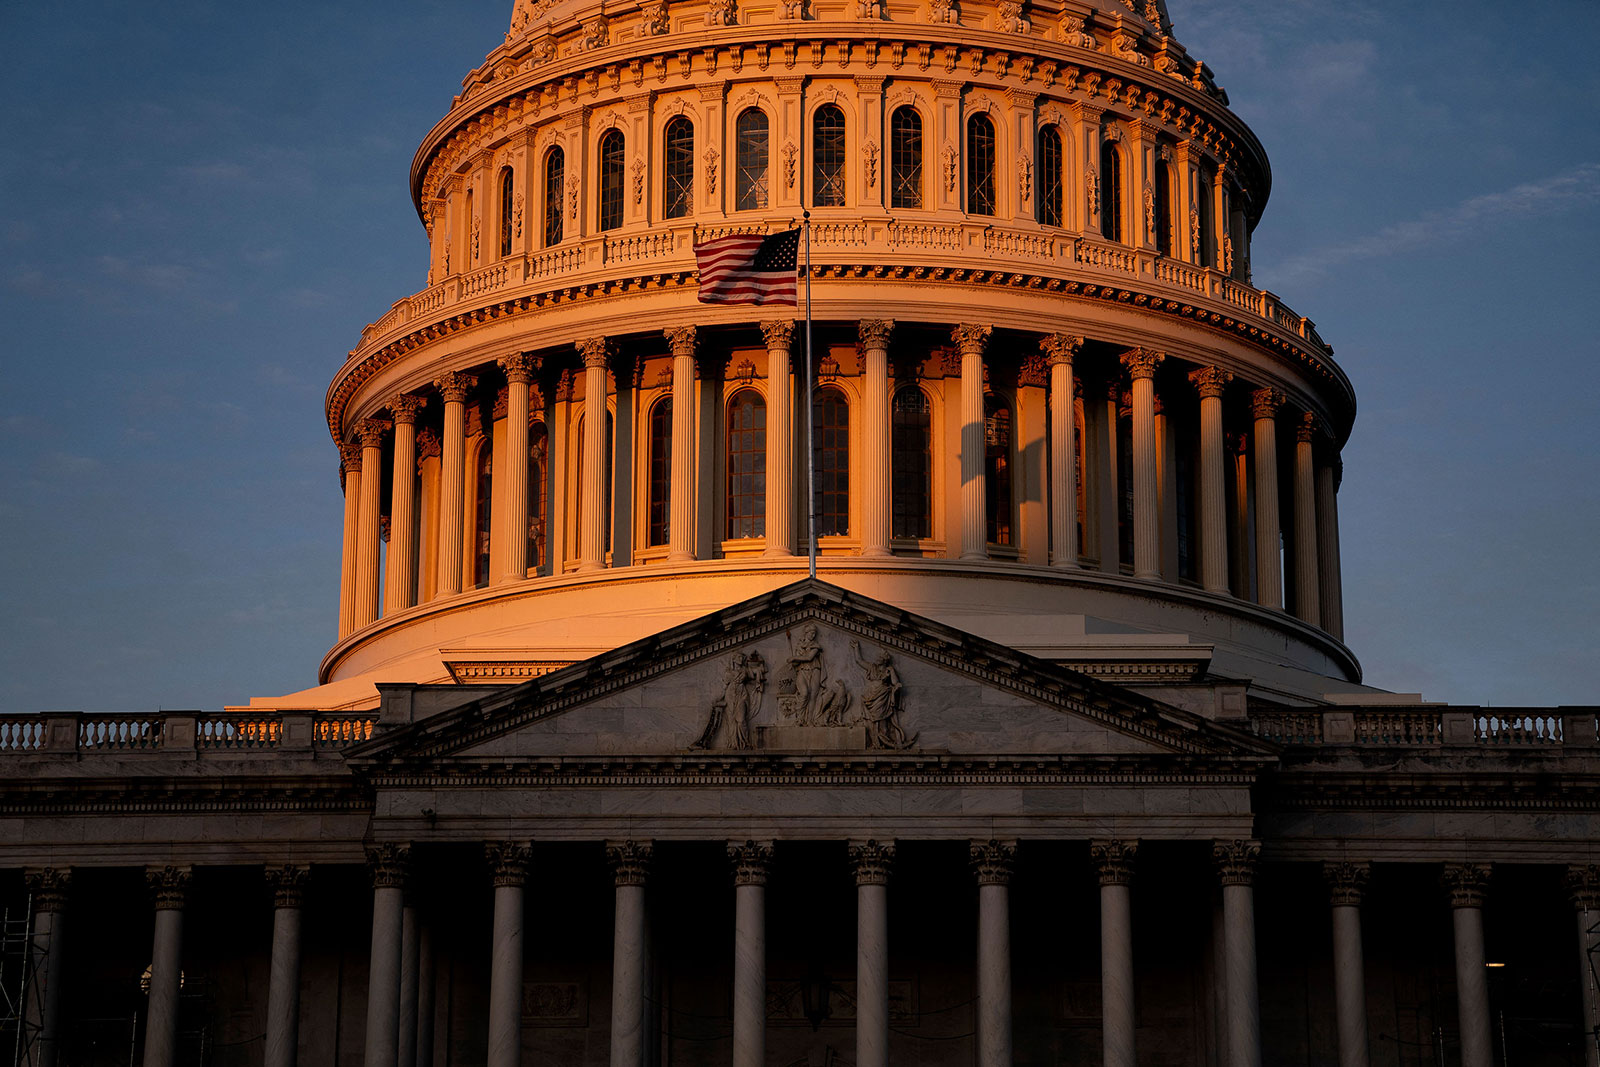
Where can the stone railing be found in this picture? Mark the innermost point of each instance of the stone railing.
(1429, 727)
(62, 732)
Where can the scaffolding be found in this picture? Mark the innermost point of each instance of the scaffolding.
(21, 951)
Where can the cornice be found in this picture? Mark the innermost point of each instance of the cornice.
(133, 794)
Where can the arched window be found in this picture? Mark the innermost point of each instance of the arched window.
(554, 183)
(827, 157)
(660, 530)
(905, 158)
(613, 177)
(538, 465)
(1206, 238)
(750, 160)
(1110, 192)
(997, 468)
(830, 455)
(1162, 210)
(911, 464)
(1050, 191)
(678, 169)
(506, 209)
(482, 517)
(472, 231)
(980, 165)
(747, 465)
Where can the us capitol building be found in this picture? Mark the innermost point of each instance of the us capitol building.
(1059, 758)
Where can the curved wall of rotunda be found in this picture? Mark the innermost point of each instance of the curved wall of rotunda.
(1050, 403)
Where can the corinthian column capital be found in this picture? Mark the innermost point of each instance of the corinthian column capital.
(1583, 887)
(1060, 348)
(681, 340)
(874, 333)
(1264, 403)
(1210, 381)
(1306, 427)
(349, 456)
(170, 885)
(455, 386)
(388, 865)
(970, 338)
(49, 886)
(596, 351)
(1141, 362)
(1347, 881)
(630, 860)
(371, 432)
(288, 884)
(404, 407)
(519, 366)
(871, 861)
(778, 334)
(508, 861)
(1114, 860)
(1236, 861)
(750, 861)
(993, 861)
(1466, 883)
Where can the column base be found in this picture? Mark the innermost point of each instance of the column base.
(680, 557)
(777, 553)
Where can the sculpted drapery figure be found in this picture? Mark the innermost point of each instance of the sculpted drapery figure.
(744, 679)
(816, 701)
(880, 700)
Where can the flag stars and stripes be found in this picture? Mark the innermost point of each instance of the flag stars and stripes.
(749, 268)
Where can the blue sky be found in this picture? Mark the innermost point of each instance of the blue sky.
(204, 202)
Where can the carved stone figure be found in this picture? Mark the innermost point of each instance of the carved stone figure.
(813, 699)
(744, 678)
(880, 700)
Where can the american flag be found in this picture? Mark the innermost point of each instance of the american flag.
(749, 268)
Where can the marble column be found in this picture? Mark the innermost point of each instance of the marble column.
(48, 887)
(1583, 886)
(680, 493)
(596, 351)
(1347, 881)
(519, 369)
(1114, 862)
(350, 470)
(871, 861)
(970, 341)
(1141, 365)
(1307, 607)
(1328, 566)
(387, 864)
(750, 861)
(873, 337)
(1210, 382)
(1264, 405)
(171, 888)
(406, 1021)
(283, 981)
(508, 860)
(1236, 867)
(992, 863)
(1467, 884)
(1240, 552)
(400, 574)
(425, 986)
(369, 564)
(780, 439)
(630, 866)
(1059, 350)
(453, 387)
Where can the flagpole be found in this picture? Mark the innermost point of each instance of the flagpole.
(811, 471)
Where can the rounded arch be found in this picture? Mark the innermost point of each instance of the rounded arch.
(982, 159)
(611, 159)
(999, 436)
(1113, 194)
(752, 155)
(538, 517)
(905, 157)
(911, 463)
(482, 468)
(829, 147)
(658, 460)
(507, 208)
(746, 451)
(1051, 175)
(830, 458)
(554, 166)
(677, 167)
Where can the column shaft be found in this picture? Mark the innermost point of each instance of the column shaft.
(166, 969)
(627, 978)
(974, 451)
(347, 560)
(1349, 985)
(1146, 505)
(1059, 350)
(1210, 381)
(425, 981)
(452, 481)
(406, 1023)
(513, 478)
(1269, 560)
(994, 976)
(1588, 949)
(505, 979)
(750, 976)
(1472, 988)
(1244, 1011)
(872, 860)
(1328, 569)
(283, 989)
(1307, 606)
(383, 982)
(681, 492)
(368, 568)
(400, 575)
(1116, 975)
(46, 943)
(875, 444)
(780, 439)
(591, 529)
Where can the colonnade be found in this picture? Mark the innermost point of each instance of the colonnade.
(400, 1004)
(1234, 480)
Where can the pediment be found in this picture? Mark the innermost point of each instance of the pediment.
(811, 668)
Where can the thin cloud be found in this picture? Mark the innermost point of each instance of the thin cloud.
(1569, 189)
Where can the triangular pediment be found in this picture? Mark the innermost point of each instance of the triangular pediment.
(805, 669)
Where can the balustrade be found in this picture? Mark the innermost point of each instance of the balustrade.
(21, 735)
(238, 733)
(1517, 730)
(143, 732)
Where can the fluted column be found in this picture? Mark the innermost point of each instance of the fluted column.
(350, 469)
(1583, 886)
(992, 863)
(1264, 405)
(454, 388)
(283, 981)
(871, 861)
(1328, 567)
(1209, 382)
(508, 860)
(1307, 606)
(1347, 881)
(49, 887)
(1059, 349)
(171, 888)
(1114, 863)
(1141, 365)
(368, 525)
(780, 439)
(875, 476)
(750, 862)
(387, 865)
(970, 341)
(630, 865)
(1467, 884)
(399, 589)
(681, 494)
(591, 520)
(1236, 867)
(1239, 546)
(513, 479)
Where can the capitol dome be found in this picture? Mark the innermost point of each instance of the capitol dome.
(1051, 406)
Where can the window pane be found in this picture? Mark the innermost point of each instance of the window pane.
(905, 158)
(750, 179)
(678, 191)
(660, 472)
(1163, 208)
(553, 185)
(827, 155)
(1110, 192)
(1050, 193)
(506, 193)
(911, 465)
(538, 454)
(612, 177)
(830, 453)
(997, 460)
(747, 465)
(980, 166)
